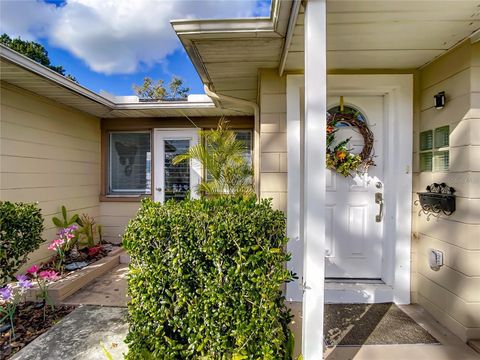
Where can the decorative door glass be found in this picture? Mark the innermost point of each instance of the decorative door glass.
(177, 177)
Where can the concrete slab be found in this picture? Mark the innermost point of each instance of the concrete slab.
(78, 335)
(109, 289)
(451, 347)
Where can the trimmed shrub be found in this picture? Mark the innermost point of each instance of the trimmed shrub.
(205, 281)
(21, 227)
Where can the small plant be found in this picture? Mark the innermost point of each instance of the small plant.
(66, 240)
(44, 279)
(222, 157)
(88, 231)
(10, 296)
(21, 227)
(65, 222)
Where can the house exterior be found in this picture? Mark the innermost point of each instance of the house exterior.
(275, 79)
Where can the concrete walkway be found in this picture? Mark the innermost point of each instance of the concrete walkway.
(78, 335)
(107, 290)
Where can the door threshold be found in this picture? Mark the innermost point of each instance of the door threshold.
(356, 292)
(353, 281)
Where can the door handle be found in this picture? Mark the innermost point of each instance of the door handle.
(158, 189)
(379, 200)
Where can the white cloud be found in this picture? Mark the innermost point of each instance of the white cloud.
(113, 36)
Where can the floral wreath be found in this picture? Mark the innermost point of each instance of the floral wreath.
(339, 157)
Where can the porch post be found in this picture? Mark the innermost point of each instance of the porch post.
(314, 178)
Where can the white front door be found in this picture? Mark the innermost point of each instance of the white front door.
(175, 181)
(353, 223)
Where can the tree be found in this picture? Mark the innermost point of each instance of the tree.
(34, 51)
(222, 157)
(151, 90)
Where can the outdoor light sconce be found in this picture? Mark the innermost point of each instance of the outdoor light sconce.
(437, 199)
(439, 100)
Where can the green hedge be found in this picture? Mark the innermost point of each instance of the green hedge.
(205, 281)
(21, 227)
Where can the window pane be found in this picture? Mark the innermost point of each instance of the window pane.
(426, 140)
(177, 177)
(130, 160)
(426, 161)
(441, 160)
(246, 138)
(442, 136)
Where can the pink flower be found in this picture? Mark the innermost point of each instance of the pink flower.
(32, 270)
(55, 244)
(50, 275)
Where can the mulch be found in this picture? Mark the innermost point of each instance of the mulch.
(29, 325)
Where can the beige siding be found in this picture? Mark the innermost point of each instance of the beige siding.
(50, 153)
(115, 217)
(273, 138)
(451, 294)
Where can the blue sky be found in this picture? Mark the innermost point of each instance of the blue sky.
(110, 45)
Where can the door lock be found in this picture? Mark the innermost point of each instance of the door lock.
(379, 200)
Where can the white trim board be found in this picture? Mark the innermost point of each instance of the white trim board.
(398, 94)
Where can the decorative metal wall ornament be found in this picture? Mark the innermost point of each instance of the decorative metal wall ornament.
(339, 156)
(436, 200)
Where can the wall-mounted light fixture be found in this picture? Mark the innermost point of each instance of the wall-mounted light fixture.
(439, 100)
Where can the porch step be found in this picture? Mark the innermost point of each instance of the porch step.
(361, 293)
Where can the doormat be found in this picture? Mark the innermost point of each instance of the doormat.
(371, 324)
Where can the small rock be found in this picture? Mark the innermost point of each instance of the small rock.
(76, 265)
(5, 328)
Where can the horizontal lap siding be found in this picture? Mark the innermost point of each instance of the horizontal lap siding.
(451, 294)
(49, 154)
(115, 217)
(273, 138)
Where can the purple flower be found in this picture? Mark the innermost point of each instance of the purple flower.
(6, 293)
(24, 282)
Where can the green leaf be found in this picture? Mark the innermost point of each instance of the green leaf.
(107, 354)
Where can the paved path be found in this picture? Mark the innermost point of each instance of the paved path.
(78, 335)
(108, 290)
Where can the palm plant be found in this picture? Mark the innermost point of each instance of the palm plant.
(222, 158)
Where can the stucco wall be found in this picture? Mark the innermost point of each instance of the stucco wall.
(451, 294)
(50, 153)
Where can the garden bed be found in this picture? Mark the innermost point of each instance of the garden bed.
(73, 281)
(29, 325)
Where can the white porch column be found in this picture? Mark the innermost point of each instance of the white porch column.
(314, 178)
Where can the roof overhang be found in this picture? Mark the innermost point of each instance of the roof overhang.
(27, 74)
(227, 54)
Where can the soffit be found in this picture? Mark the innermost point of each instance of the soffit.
(388, 34)
(24, 73)
(228, 53)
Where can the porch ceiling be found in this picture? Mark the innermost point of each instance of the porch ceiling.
(361, 34)
(388, 34)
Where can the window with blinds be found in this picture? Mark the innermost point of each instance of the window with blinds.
(129, 168)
